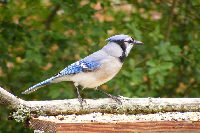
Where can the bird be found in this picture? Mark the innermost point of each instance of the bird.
(95, 69)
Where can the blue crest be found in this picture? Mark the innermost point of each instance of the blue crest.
(115, 38)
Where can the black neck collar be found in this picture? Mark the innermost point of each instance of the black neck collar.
(123, 46)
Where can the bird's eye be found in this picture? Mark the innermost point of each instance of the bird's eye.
(130, 41)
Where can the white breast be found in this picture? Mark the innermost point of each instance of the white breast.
(109, 68)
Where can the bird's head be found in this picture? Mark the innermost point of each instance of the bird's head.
(125, 42)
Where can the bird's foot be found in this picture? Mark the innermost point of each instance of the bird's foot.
(116, 99)
(110, 96)
(80, 99)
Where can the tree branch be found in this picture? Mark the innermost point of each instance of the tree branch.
(170, 20)
(129, 105)
(47, 23)
(9, 100)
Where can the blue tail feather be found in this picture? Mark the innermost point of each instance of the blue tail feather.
(37, 86)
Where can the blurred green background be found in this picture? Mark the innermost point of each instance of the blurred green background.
(40, 38)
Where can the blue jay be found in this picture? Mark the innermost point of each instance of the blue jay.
(95, 69)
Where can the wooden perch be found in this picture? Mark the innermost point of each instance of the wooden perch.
(104, 105)
(137, 126)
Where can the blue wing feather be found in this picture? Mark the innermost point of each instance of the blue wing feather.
(77, 67)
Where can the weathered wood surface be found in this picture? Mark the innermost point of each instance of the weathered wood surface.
(145, 126)
(137, 126)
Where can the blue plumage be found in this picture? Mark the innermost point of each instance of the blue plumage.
(117, 38)
(35, 87)
(95, 69)
(77, 67)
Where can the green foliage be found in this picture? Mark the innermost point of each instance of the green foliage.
(40, 38)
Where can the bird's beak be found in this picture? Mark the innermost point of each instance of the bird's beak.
(137, 42)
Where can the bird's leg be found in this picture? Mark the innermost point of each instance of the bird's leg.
(108, 95)
(80, 99)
